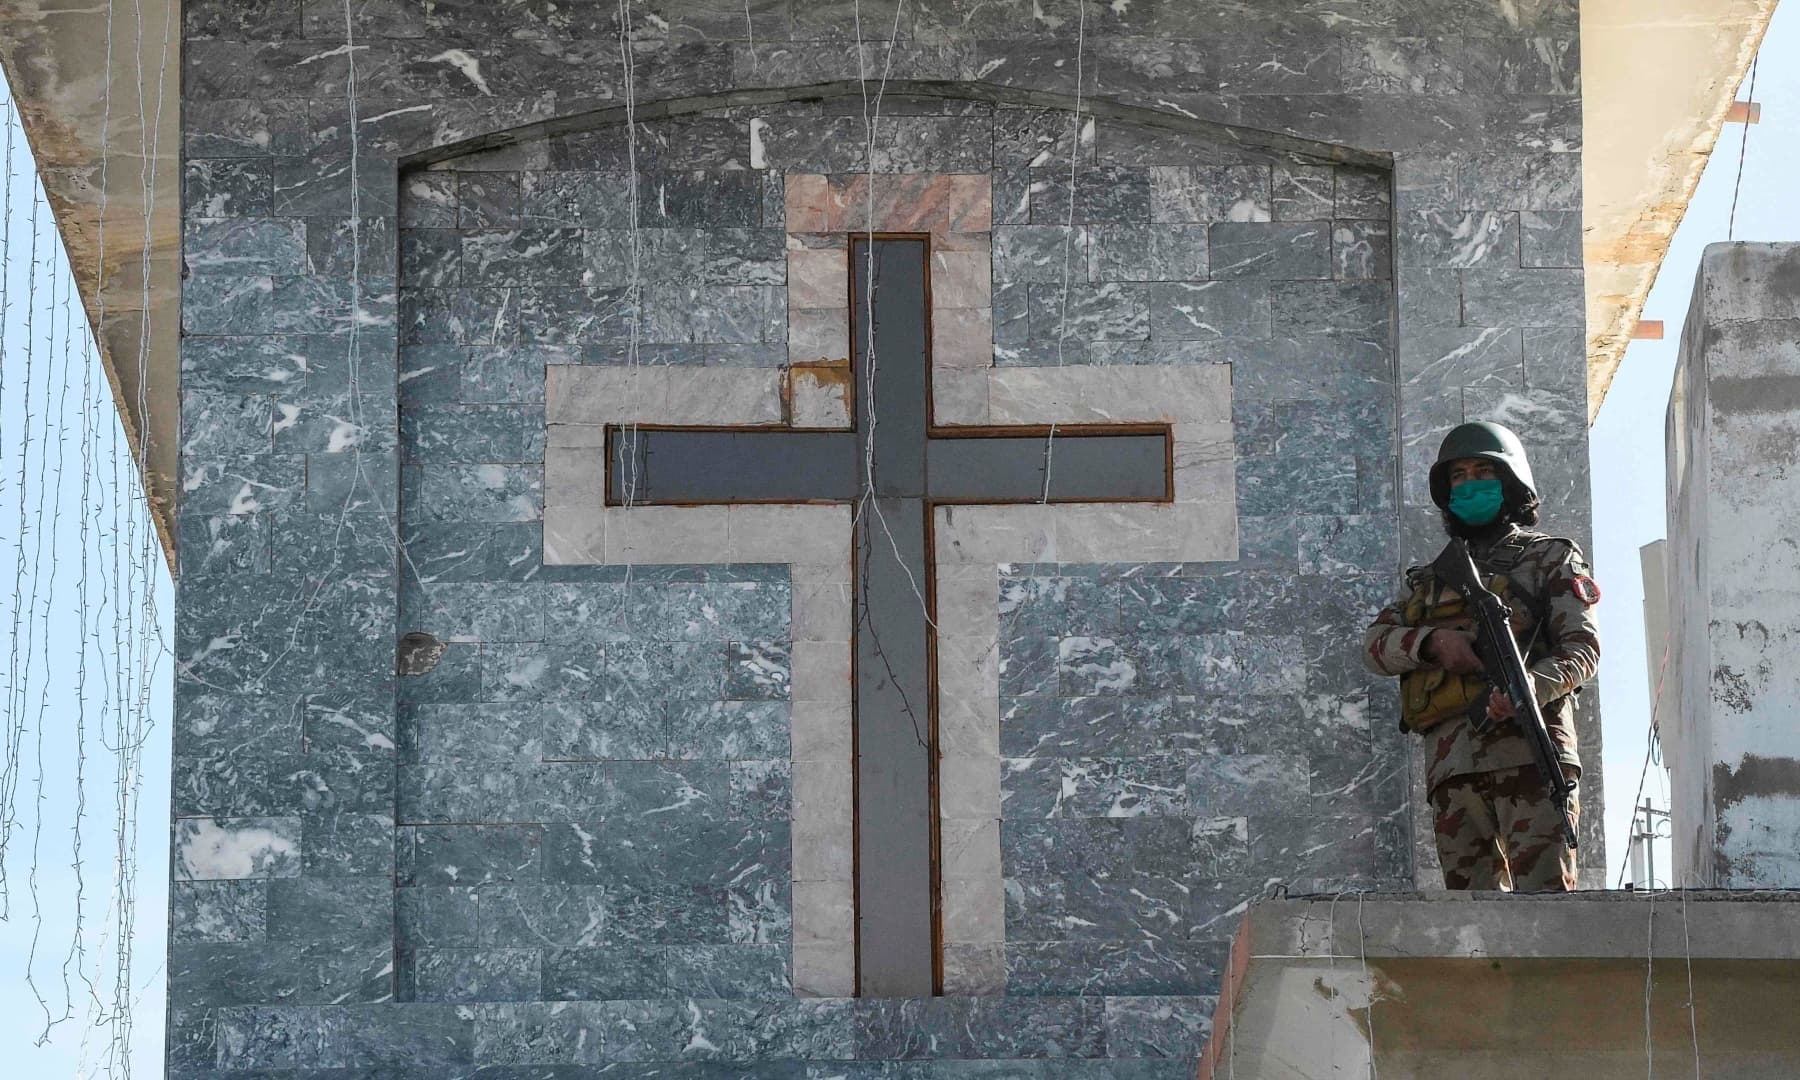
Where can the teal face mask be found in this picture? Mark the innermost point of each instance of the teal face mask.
(1476, 502)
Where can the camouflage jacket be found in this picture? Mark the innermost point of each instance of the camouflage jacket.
(1562, 653)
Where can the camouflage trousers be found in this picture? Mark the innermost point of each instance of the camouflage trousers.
(1500, 831)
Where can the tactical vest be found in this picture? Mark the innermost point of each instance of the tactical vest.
(1431, 695)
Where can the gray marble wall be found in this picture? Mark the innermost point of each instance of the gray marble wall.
(424, 868)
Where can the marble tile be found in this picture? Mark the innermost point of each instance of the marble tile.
(1554, 182)
(819, 731)
(808, 203)
(938, 203)
(823, 852)
(1039, 253)
(1459, 240)
(816, 335)
(969, 787)
(1534, 298)
(936, 144)
(962, 338)
(1125, 968)
(1306, 308)
(1361, 250)
(825, 970)
(1105, 312)
(219, 912)
(1551, 417)
(1199, 393)
(1269, 250)
(1148, 253)
(973, 908)
(817, 277)
(614, 256)
(1155, 65)
(1209, 193)
(974, 969)
(961, 279)
(1550, 238)
(244, 245)
(215, 849)
(1360, 193)
(1108, 194)
(1158, 1027)
(571, 198)
(1199, 311)
(1403, 65)
(818, 396)
(1040, 138)
(524, 256)
(237, 187)
(469, 975)
(821, 672)
(960, 396)
(1012, 1027)
(703, 199)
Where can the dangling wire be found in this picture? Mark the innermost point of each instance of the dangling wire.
(1649, 986)
(76, 955)
(9, 769)
(1743, 144)
(870, 122)
(1062, 325)
(1653, 741)
(867, 500)
(1687, 949)
(34, 642)
(19, 667)
(634, 289)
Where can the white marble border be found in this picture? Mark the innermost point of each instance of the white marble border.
(972, 543)
(814, 541)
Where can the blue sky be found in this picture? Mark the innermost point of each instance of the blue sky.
(66, 770)
(1627, 457)
(1626, 448)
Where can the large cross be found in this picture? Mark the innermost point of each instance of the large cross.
(894, 466)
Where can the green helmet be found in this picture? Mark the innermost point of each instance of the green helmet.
(1480, 439)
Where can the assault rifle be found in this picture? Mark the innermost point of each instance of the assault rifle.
(1505, 668)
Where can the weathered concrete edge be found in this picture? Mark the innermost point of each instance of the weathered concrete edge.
(1702, 924)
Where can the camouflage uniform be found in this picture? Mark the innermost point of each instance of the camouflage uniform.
(1496, 825)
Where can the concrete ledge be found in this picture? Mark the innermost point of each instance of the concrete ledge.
(1492, 984)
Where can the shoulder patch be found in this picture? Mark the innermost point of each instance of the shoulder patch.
(1586, 590)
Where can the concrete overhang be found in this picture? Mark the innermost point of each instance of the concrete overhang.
(1491, 985)
(110, 136)
(1657, 77)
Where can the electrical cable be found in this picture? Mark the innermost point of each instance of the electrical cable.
(1653, 737)
(1743, 144)
(1062, 326)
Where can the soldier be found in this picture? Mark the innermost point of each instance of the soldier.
(1496, 825)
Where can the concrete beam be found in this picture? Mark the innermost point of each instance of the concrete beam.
(1658, 80)
(107, 135)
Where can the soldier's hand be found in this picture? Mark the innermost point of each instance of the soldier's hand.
(1500, 707)
(1454, 651)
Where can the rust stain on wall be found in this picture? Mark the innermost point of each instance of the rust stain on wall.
(816, 393)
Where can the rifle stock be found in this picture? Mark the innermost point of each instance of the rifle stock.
(1506, 670)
